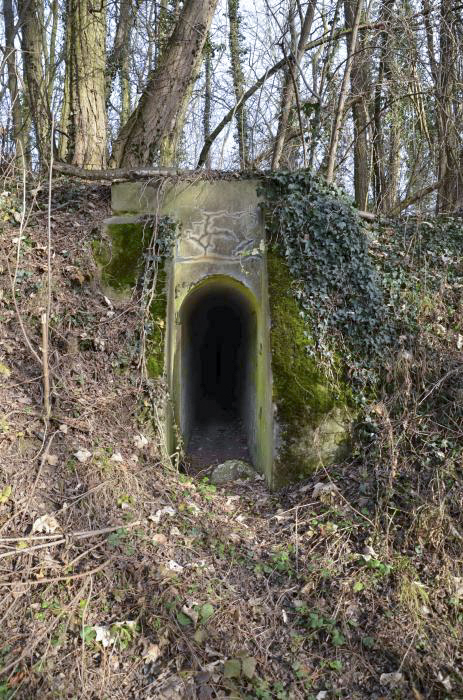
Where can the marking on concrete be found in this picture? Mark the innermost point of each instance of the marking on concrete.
(220, 235)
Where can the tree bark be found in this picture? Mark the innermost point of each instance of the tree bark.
(207, 95)
(16, 112)
(238, 81)
(34, 78)
(85, 75)
(65, 116)
(118, 61)
(450, 170)
(337, 123)
(289, 87)
(360, 89)
(153, 129)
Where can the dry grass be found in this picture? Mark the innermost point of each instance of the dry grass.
(302, 595)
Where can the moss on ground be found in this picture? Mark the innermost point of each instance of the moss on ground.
(305, 400)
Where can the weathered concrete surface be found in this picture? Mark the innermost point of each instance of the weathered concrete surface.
(294, 421)
(221, 250)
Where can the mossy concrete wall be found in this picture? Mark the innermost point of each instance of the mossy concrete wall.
(299, 422)
(312, 417)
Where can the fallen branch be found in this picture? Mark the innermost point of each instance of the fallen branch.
(83, 534)
(116, 173)
(368, 215)
(36, 582)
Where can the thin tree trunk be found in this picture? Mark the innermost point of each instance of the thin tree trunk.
(450, 175)
(86, 79)
(390, 193)
(65, 122)
(288, 91)
(337, 124)
(238, 81)
(16, 112)
(379, 165)
(52, 60)
(153, 129)
(207, 95)
(118, 60)
(360, 88)
(34, 78)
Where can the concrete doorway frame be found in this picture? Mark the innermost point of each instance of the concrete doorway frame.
(259, 428)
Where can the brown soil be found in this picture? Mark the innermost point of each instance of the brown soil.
(156, 585)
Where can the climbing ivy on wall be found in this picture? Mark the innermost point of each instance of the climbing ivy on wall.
(317, 230)
(154, 294)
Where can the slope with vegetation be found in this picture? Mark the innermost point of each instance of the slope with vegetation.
(123, 577)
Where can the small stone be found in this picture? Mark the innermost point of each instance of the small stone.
(326, 493)
(391, 680)
(231, 470)
(46, 523)
(82, 455)
(140, 441)
(159, 538)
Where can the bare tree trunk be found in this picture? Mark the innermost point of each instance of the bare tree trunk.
(16, 112)
(156, 123)
(337, 124)
(450, 174)
(290, 75)
(118, 61)
(65, 117)
(86, 34)
(379, 165)
(34, 78)
(390, 194)
(238, 81)
(207, 95)
(50, 67)
(360, 89)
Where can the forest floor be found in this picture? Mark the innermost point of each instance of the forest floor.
(123, 578)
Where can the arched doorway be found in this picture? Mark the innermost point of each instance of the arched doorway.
(218, 371)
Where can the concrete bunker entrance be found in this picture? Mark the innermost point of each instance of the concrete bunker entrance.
(218, 378)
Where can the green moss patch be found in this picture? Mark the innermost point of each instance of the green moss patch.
(121, 261)
(312, 419)
(156, 337)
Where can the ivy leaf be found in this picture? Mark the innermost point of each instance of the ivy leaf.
(183, 619)
(207, 610)
(232, 668)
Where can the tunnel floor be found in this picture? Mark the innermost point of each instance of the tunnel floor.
(218, 386)
(214, 443)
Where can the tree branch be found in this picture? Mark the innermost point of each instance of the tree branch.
(415, 197)
(268, 74)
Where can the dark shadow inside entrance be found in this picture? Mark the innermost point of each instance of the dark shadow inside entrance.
(218, 375)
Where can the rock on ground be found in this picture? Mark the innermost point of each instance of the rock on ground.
(231, 470)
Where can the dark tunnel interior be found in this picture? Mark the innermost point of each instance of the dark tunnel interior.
(218, 349)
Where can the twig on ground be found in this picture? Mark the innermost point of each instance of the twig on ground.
(55, 579)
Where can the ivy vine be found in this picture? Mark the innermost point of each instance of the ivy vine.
(317, 230)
